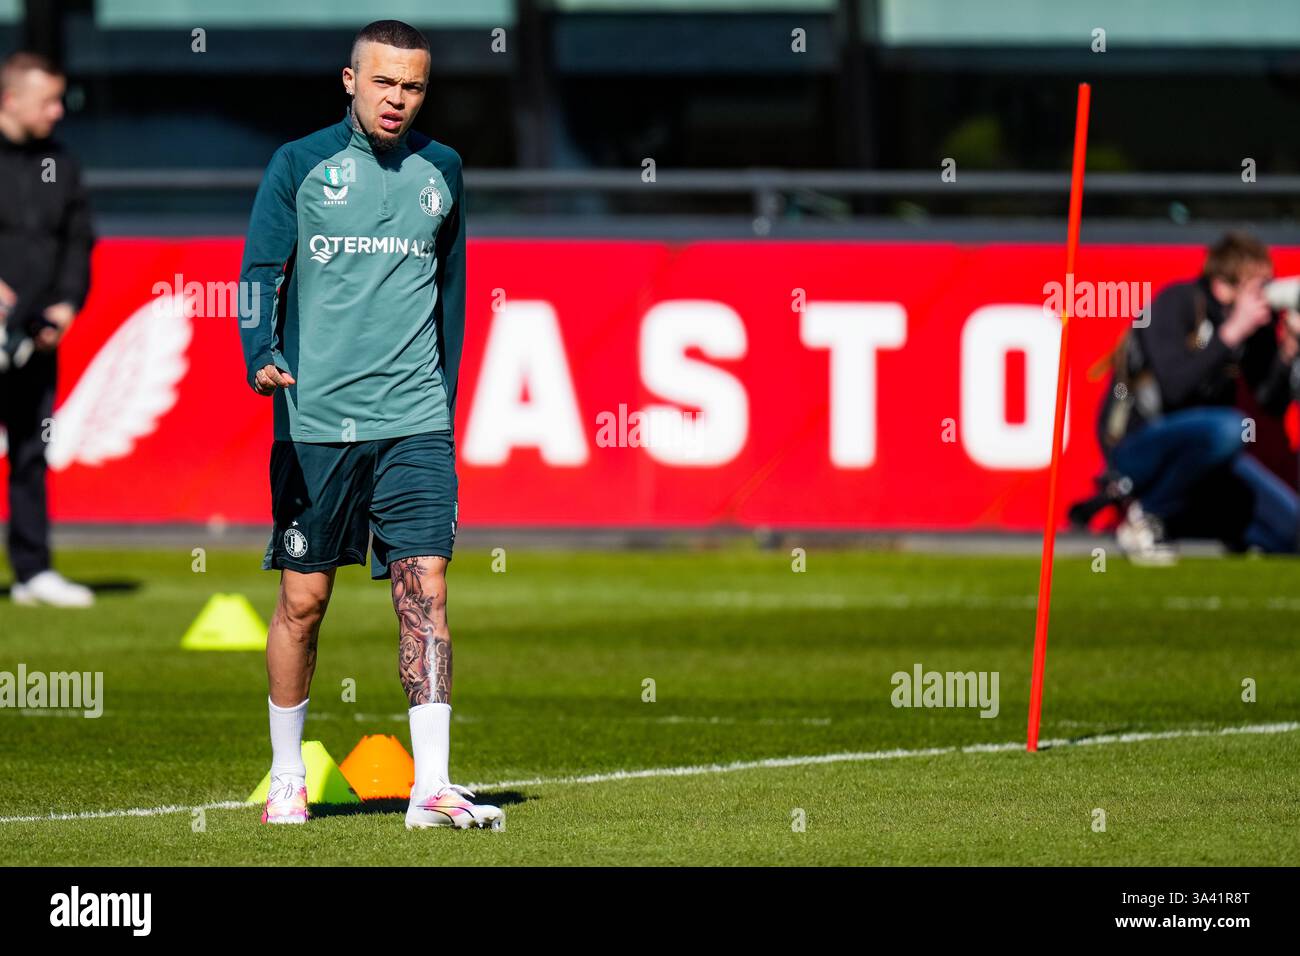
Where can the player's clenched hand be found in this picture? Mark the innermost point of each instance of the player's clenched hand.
(269, 378)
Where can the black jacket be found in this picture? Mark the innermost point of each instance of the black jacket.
(45, 229)
(1178, 361)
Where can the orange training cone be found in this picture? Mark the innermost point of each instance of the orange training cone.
(379, 766)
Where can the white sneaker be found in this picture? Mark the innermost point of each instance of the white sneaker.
(52, 588)
(1141, 537)
(446, 808)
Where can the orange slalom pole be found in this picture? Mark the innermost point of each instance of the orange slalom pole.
(1058, 423)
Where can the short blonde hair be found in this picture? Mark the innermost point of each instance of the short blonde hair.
(21, 63)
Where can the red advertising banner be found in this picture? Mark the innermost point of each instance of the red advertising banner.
(611, 383)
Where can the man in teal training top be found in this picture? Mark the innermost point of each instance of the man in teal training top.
(355, 259)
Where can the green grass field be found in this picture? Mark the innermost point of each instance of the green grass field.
(750, 661)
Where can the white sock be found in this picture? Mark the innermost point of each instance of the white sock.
(430, 745)
(286, 739)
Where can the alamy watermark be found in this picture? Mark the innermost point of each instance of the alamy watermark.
(658, 427)
(55, 690)
(210, 299)
(1098, 300)
(922, 688)
(74, 908)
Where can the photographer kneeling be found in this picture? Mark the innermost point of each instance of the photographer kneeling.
(1173, 426)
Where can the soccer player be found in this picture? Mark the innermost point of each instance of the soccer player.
(356, 261)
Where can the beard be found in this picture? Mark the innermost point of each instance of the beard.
(377, 143)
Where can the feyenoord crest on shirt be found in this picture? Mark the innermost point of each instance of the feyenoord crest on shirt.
(431, 199)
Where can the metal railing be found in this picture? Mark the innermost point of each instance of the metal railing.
(760, 202)
(759, 183)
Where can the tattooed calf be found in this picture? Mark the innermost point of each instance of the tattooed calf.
(424, 642)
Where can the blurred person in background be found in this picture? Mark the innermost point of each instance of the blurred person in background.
(45, 243)
(1196, 400)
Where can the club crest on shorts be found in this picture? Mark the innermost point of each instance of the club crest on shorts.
(430, 198)
(295, 542)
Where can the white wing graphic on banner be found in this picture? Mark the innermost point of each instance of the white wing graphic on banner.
(128, 386)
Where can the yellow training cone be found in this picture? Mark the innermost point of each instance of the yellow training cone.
(325, 781)
(226, 623)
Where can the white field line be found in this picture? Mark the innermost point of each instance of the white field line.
(862, 756)
(700, 769)
(133, 812)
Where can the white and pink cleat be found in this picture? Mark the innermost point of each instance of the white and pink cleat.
(448, 808)
(286, 801)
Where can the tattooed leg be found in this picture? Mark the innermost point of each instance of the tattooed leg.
(424, 642)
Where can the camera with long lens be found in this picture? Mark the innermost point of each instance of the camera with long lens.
(1283, 294)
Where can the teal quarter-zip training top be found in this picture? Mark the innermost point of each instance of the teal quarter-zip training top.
(353, 279)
